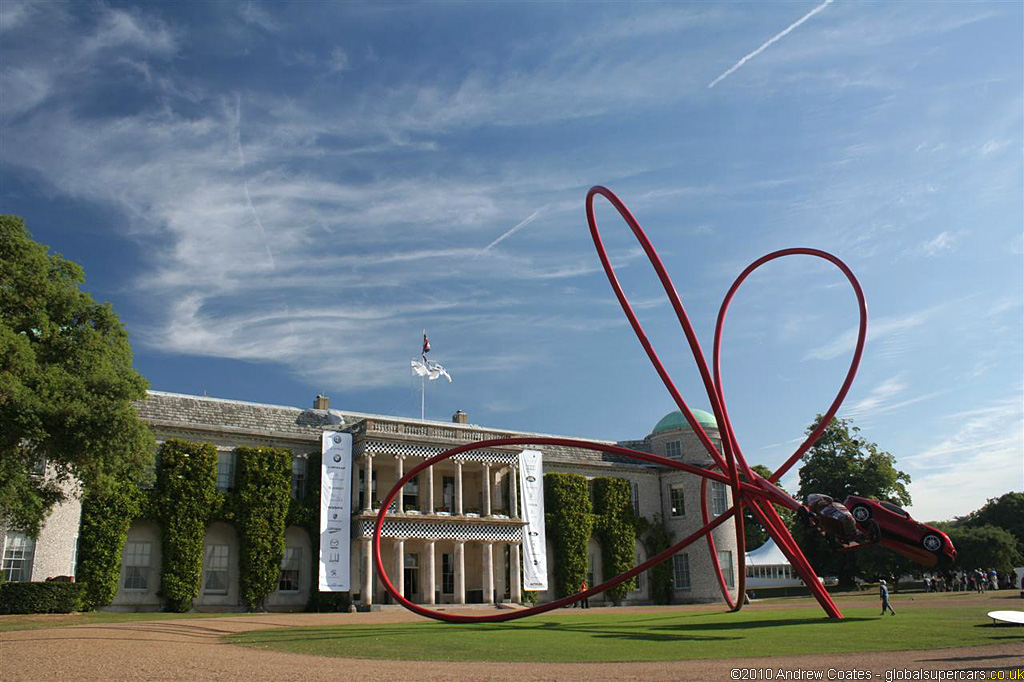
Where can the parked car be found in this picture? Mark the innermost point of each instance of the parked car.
(899, 532)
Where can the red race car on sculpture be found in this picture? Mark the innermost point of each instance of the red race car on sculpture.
(837, 523)
(902, 534)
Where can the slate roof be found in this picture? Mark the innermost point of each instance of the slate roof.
(184, 411)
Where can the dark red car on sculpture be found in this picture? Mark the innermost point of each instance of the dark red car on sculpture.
(902, 534)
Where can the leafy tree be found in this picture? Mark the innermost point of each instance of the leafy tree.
(66, 385)
(753, 531)
(1006, 512)
(840, 463)
(983, 547)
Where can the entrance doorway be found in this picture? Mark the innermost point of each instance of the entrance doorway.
(412, 577)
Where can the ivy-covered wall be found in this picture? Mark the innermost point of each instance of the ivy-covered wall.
(657, 538)
(263, 480)
(568, 522)
(101, 534)
(616, 530)
(186, 491)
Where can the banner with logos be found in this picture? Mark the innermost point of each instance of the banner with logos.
(535, 547)
(335, 511)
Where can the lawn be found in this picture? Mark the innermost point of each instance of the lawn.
(928, 622)
(55, 620)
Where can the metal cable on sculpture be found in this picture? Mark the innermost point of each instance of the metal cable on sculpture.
(749, 490)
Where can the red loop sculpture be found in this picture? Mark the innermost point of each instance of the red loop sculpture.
(749, 490)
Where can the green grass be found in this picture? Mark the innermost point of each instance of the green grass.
(56, 620)
(604, 635)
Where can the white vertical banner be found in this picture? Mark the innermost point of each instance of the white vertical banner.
(535, 547)
(335, 511)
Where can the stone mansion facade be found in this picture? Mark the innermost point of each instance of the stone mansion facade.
(453, 536)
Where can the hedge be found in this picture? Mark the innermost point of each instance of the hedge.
(568, 525)
(53, 597)
(264, 479)
(184, 499)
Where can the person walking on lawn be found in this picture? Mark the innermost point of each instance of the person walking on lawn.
(883, 592)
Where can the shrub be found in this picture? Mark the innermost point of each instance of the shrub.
(51, 597)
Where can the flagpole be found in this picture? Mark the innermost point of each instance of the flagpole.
(423, 383)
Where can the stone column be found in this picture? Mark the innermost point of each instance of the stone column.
(488, 561)
(367, 572)
(400, 464)
(355, 486)
(487, 489)
(399, 578)
(368, 484)
(460, 572)
(515, 574)
(458, 488)
(428, 502)
(513, 494)
(429, 572)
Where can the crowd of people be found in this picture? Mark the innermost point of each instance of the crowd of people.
(977, 580)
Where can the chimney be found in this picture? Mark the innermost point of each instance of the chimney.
(460, 417)
(321, 402)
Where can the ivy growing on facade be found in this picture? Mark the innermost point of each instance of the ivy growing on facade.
(261, 508)
(568, 524)
(106, 517)
(616, 530)
(184, 498)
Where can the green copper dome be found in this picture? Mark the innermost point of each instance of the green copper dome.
(675, 420)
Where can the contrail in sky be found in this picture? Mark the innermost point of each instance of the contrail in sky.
(768, 42)
(245, 183)
(529, 219)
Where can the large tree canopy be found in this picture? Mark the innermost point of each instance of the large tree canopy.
(66, 385)
(840, 463)
(1006, 512)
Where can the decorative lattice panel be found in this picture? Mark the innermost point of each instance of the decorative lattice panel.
(379, 447)
(435, 530)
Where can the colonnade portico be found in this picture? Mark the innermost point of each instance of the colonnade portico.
(491, 579)
(424, 522)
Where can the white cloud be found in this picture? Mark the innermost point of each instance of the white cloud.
(878, 330)
(982, 457)
(123, 28)
(944, 241)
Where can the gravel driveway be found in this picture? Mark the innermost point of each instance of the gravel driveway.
(192, 650)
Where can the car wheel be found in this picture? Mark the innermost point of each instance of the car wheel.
(861, 512)
(932, 542)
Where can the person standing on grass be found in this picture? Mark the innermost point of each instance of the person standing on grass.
(883, 592)
(586, 600)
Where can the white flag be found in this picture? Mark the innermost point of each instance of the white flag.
(431, 370)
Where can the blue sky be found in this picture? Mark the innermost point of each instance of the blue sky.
(278, 198)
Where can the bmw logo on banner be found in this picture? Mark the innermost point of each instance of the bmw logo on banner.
(335, 512)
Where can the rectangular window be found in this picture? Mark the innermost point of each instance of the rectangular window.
(18, 553)
(590, 571)
(290, 564)
(719, 500)
(225, 471)
(725, 561)
(681, 571)
(448, 494)
(298, 478)
(411, 494)
(136, 562)
(448, 574)
(215, 567)
(672, 448)
(676, 498)
(148, 479)
(634, 491)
